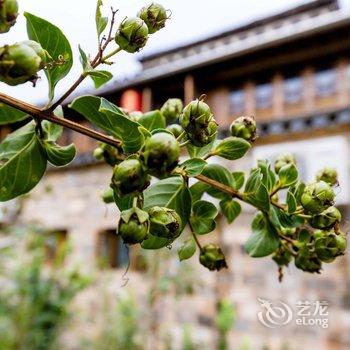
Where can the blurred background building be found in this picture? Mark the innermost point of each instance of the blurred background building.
(292, 72)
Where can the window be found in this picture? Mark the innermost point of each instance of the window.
(111, 252)
(293, 90)
(237, 102)
(55, 242)
(325, 83)
(263, 96)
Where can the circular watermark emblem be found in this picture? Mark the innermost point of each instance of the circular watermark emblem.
(273, 316)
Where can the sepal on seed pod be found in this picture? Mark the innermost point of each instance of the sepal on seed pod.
(133, 226)
(172, 109)
(327, 219)
(132, 34)
(317, 197)
(155, 16)
(328, 175)
(245, 128)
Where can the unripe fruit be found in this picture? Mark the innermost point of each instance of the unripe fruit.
(330, 245)
(19, 63)
(328, 175)
(327, 219)
(317, 197)
(161, 154)
(175, 129)
(111, 155)
(282, 160)
(308, 263)
(199, 123)
(8, 14)
(129, 177)
(133, 228)
(171, 109)
(154, 16)
(244, 127)
(164, 222)
(38, 49)
(212, 257)
(132, 34)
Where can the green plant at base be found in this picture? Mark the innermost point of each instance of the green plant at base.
(283, 229)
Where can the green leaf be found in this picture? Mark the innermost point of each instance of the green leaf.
(187, 249)
(99, 77)
(10, 115)
(153, 242)
(110, 118)
(298, 191)
(171, 193)
(218, 173)
(264, 240)
(281, 219)
(288, 175)
(255, 191)
(55, 43)
(193, 166)
(198, 152)
(124, 202)
(22, 162)
(231, 209)
(84, 60)
(52, 131)
(197, 190)
(153, 120)
(291, 202)
(59, 155)
(202, 219)
(101, 22)
(238, 180)
(231, 148)
(269, 178)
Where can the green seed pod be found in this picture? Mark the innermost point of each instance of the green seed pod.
(307, 260)
(38, 49)
(175, 129)
(317, 197)
(244, 127)
(282, 160)
(212, 257)
(129, 177)
(154, 16)
(172, 109)
(161, 154)
(19, 63)
(111, 155)
(199, 123)
(132, 34)
(327, 219)
(133, 226)
(328, 175)
(8, 14)
(135, 116)
(282, 257)
(330, 245)
(164, 222)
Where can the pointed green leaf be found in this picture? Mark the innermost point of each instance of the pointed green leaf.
(291, 202)
(101, 22)
(153, 242)
(187, 249)
(269, 178)
(99, 77)
(264, 240)
(198, 152)
(10, 115)
(153, 120)
(202, 218)
(59, 155)
(231, 209)
(238, 180)
(197, 190)
(22, 162)
(231, 148)
(288, 175)
(193, 166)
(55, 43)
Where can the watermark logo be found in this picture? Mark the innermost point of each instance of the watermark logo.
(305, 313)
(272, 316)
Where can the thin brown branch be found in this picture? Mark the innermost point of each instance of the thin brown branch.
(48, 115)
(195, 237)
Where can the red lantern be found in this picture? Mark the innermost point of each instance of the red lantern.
(131, 100)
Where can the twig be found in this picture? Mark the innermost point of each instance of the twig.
(48, 115)
(195, 237)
